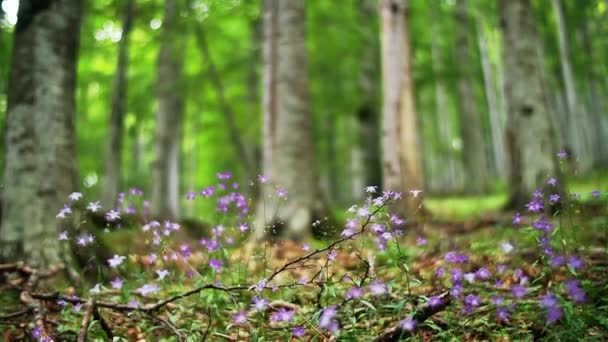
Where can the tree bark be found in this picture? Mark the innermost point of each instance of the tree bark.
(402, 170)
(447, 173)
(576, 135)
(495, 115)
(165, 192)
(112, 162)
(39, 162)
(364, 163)
(471, 129)
(595, 102)
(288, 146)
(530, 137)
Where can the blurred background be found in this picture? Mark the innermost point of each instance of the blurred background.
(192, 76)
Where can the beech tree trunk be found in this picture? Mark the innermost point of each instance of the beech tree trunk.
(112, 161)
(39, 162)
(577, 119)
(364, 162)
(595, 103)
(288, 146)
(447, 171)
(165, 192)
(402, 170)
(529, 134)
(494, 113)
(471, 129)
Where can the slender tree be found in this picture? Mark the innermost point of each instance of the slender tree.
(402, 169)
(363, 125)
(471, 129)
(112, 162)
(495, 113)
(165, 193)
(288, 146)
(577, 118)
(229, 117)
(447, 171)
(39, 162)
(529, 133)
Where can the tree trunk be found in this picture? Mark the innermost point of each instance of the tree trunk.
(576, 135)
(165, 193)
(529, 133)
(471, 129)
(495, 119)
(595, 102)
(39, 162)
(288, 146)
(364, 150)
(447, 174)
(402, 170)
(112, 162)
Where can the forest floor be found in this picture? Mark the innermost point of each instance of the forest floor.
(474, 226)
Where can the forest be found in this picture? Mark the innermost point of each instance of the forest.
(304, 170)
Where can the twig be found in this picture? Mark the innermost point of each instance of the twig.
(168, 324)
(224, 336)
(395, 333)
(86, 320)
(103, 323)
(208, 325)
(17, 314)
(326, 248)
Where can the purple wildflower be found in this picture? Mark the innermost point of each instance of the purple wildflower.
(298, 331)
(472, 300)
(518, 291)
(408, 324)
(240, 317)
(516, 218)
(502, 314)
(116, 260)
(260, 285)
(535, 206)
(216, 265)
(496, 300)
(554, 198)
(482, 273)
(354, 292)
(554, 313)
(259, 303)
(326, 319)
(377, 288)
(281, 193)
(420, 241)
(548, 301)
(282, 315)
(148, 289)
(575, 262)
(112, 215)
(574, 291)
(223, 175)
(116, 283)
(434, 301)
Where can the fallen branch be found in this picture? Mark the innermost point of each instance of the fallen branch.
(397, 332)
(86, 320)
(16, 314)
(102, 322)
